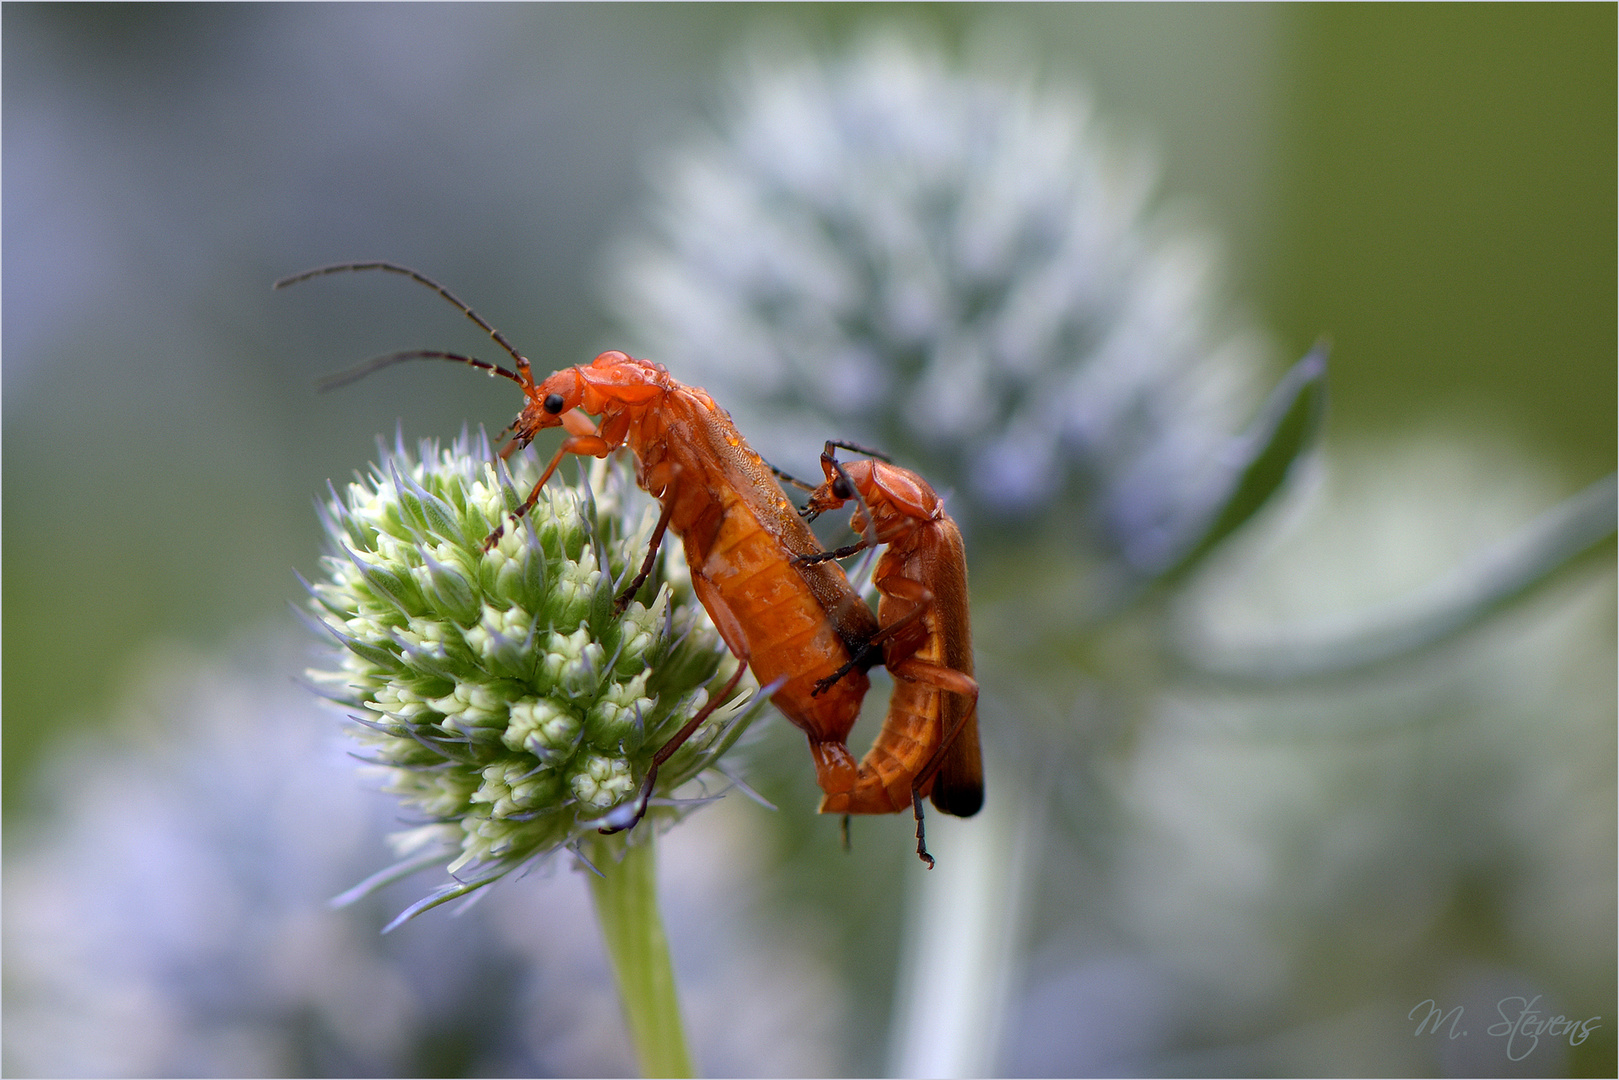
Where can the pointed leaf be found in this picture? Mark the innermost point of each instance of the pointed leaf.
(1261, 457)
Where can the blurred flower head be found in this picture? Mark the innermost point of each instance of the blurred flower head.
(961, 271)
(498, 691)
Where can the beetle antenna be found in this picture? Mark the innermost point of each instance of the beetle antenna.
(791, 481)
(869, 535)
(417, 276)
(863, 451)
(360, 371)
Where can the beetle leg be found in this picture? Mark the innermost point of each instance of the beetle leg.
(937, 676)
(667, 750)
(924, 599)
(583, 445)
(921, 843)
(823, 685)
(824, 556)
(623, 600)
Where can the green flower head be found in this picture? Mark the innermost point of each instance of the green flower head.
(502, 698)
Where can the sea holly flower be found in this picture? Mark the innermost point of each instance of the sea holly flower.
(972, 275)
(497, 692)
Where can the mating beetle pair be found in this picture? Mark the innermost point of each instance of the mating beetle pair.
(782, 605)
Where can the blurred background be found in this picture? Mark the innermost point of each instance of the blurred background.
(1209, 874)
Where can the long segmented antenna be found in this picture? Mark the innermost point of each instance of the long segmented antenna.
(863, 451)
(789, 480)
(802, 486)
(360, 371)
(869, 536)
(421, 278)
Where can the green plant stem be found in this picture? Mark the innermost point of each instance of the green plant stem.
(626, 896)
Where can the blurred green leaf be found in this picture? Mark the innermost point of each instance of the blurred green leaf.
(1261, 458)
(1477, 588)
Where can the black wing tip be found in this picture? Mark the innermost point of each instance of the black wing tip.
(961, 801)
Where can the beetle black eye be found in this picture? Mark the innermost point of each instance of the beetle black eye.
(842, 488)
(553, 403)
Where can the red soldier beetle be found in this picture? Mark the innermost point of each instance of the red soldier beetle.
(797, 623)
(928, 745)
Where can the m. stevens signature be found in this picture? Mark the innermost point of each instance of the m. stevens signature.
(1522, 1024)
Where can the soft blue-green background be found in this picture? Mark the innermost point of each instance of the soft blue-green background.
(1433, 187)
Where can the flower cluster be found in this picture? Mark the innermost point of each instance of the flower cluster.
(961, 271)
(502, 697)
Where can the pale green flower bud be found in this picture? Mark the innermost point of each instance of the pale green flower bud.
(547, 729)
(617, 713)
(503, 640)
(446, 585)
(601, 781)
